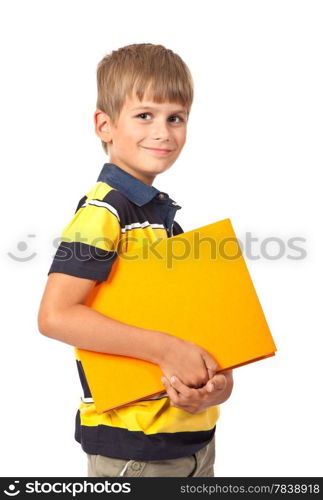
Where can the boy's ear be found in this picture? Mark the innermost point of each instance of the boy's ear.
(102, 124)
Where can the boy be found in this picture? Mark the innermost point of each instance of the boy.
(145, 93)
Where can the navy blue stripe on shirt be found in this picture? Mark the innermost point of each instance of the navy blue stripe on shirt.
(136, 445)
(71, 256)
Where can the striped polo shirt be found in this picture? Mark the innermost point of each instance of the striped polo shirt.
(120, 207)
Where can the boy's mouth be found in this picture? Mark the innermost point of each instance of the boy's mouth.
(159, 151)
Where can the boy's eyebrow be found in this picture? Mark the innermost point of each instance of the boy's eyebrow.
(151, 107)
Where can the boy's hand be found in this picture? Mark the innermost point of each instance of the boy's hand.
(214, 392)
(188, 361)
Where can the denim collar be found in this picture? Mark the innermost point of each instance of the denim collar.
(135, 190)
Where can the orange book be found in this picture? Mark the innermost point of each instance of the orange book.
(194, 285)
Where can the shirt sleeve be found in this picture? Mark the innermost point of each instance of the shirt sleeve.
(89, 242)
(177, 228)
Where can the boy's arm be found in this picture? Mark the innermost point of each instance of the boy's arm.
(63, 316)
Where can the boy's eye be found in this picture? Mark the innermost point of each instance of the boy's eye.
(180, 119)
(143, 115)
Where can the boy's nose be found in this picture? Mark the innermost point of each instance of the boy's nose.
(160, 131)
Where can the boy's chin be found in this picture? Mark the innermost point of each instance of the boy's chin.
(157, 169)
(161, 166)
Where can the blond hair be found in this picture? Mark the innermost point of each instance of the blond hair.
(137, 68)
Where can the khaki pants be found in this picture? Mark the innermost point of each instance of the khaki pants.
(200, 464)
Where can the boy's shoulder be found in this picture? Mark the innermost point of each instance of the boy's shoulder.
(101, 194)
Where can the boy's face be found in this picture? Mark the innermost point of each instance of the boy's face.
(147, 138)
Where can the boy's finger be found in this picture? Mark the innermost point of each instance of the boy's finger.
(183, 389)
(209, 386)
(170, 390)
(210, 362)
(219, 381)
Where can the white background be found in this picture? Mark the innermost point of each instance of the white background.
(253, 154)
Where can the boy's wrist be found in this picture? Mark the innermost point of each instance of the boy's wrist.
(164, 342)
